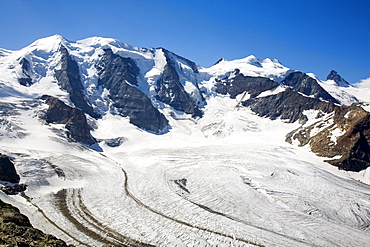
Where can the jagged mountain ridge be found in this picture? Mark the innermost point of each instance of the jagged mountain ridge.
(154, 76)
(149, 86)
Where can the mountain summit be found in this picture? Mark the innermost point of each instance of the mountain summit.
(333, 75)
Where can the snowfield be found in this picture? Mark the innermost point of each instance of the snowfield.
(227, 179)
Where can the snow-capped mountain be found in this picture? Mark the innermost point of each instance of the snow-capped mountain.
(133, 146)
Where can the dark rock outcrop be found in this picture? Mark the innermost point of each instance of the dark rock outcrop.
(119, 76)
(288, 105)
(114, 70)
(352, 145)
(305, 84)
(9, 177)
(13, 189)
(191, 64)
(68, 77)
(73, 118)
(16, 230)
(7, 170)
(24, 78)
(115, 142)
(333, 75)
(219, 61)
(241, 83)
(170, 90)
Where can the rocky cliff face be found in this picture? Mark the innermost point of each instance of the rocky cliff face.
(333, 75)
(343, 136)
(288, 105)
(305, 84)
(240, 83)
(69, 79)
(172, 92)
(119, 76)
(16, 230)
(24, 77)
(73, 118)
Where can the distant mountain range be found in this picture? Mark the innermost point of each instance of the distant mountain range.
(57, 89)
(97, 76)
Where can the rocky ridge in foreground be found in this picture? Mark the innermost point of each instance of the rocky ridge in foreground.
(16, 230)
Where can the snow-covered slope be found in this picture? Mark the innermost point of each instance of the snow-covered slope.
(249, 66)
(362, 92)
(365, 83)
(343, 94)
(218, 174)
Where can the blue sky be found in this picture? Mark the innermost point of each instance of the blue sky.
(308, 35)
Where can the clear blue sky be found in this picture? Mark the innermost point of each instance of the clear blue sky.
(308, 35)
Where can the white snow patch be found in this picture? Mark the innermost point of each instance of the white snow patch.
(274, 91)
(335, 134)
(155, 72)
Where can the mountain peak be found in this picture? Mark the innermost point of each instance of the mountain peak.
(56, 38)
(52, 43)
(49, 44)
(253, 60)
(333, 75)
(221, 60)
(251, 66)
(97, 41)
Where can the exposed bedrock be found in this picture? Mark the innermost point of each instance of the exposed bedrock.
(69, 79)
(349, 149)
(119, 76)
(73, 118)
(172, 92)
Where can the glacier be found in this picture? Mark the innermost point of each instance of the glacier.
(227, 178)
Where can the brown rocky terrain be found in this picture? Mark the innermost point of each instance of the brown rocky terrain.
(16, 230)
(343, 136)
